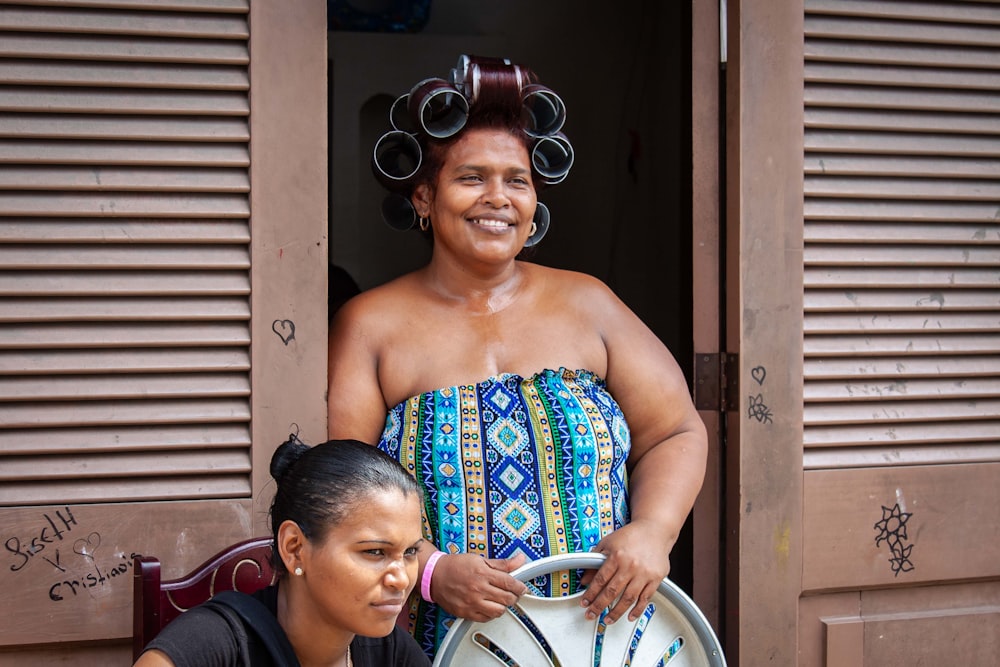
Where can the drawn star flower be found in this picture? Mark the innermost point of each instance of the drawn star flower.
(892, 527)
(901, 560)
(759, 410)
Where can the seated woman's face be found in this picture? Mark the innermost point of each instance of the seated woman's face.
(360, 576)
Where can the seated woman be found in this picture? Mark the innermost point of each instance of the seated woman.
(538, 413)
(346, 524)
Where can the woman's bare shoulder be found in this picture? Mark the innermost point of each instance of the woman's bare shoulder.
(575, 286)
(380, 304)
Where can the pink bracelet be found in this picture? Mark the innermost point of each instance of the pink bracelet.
(425, 581)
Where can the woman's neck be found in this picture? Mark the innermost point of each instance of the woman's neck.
(314, 646)
(488, 290)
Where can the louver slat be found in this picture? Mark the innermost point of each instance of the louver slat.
(123, 101)
(149, 49)
(73, 362)
(66, 283)
(152, 128)
(902, 239)
(91, 309)
(144, 179)
(115, 75)
(125, 439)
(120, 152)
(118, 22)
(833, 164)
(124, 334)
(897, 53)
(125, 257)
(889, 367)
(108, 466)
(913, 32)
(900, 121)
(121, 386)
(126, 231)
(902, 322)
(224, 484)
(221, 6)
(124, 414)
(871, 344)
(124, 251)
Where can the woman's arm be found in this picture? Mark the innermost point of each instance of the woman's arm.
(666, 462)
(476, 588)
(355, 405)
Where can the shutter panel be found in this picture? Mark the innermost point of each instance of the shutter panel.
(902, 233)
(124, 251)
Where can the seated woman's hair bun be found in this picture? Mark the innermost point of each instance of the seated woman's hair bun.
(287, 455)
(492, 92)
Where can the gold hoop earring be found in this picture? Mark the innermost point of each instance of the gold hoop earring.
(425, 223)
(534, 228)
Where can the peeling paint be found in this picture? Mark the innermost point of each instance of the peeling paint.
(783, 544)
(934, 297)
(183, 542)
(244, 518)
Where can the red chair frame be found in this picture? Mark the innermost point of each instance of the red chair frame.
(245, 566)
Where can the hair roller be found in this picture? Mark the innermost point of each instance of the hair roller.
(497, 86)
(399, 115)
(552, 158)
(438, 108)
(543, 111)
(459, 75)
(396, 159)
(541, 220)
(398, 212)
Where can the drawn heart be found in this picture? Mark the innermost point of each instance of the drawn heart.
(285, 330)
(758, 374)
(86, 546)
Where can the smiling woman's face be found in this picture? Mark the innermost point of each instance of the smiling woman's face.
(483, 199)
(359, 576)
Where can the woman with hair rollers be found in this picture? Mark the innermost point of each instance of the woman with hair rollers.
(346, 525)
(537, 412)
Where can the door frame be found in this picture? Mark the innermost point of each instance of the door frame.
(706, 289)
(763, 325)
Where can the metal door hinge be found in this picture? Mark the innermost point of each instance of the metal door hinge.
(716, 381)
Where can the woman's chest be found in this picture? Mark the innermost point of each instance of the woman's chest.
(445, 352)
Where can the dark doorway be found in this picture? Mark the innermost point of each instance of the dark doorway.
(624, 213)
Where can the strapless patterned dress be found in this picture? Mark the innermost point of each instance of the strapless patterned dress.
(532, 465)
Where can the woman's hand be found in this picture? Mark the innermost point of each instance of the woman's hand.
(637, 558)
(476, 588)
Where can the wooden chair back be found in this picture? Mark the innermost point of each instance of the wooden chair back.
(245, 566)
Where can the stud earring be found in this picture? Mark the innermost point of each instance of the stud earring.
(298, 572)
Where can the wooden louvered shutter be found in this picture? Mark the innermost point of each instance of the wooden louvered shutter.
(901, 327)
(124, 303)
(153, 351)
(124, 256)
